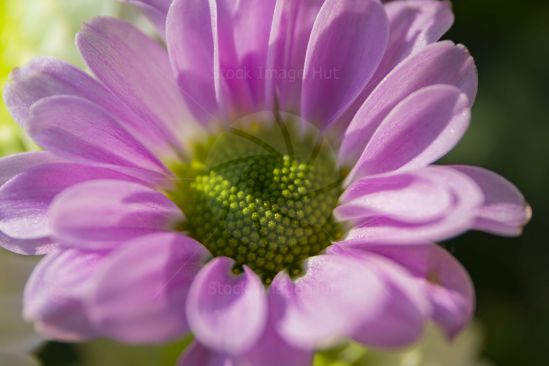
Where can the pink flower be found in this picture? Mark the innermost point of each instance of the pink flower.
(182, 190)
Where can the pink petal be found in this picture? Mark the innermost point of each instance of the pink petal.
(25, 200)
(243, 50)
(155, 10)
(80, 130)
(334, 297)
(405, 312)
(36, 246)
(191, 51)
(139, 295)
(409, 197)
(430, 204)
(272, 349)
(418, 131)
(105, 213)
(505, 210)
(11, 166)
(137, 70)
(290, 33)
(228, 81)
(414, 24)
(199, 355)
(46, 77)
(227, 312)
(448, 285)
(54, 295)
(439, 63)
(347, 43)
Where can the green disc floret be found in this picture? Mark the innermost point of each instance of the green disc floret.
(262, 195)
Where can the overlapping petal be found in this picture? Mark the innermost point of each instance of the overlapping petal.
(430, 204)
(504, 211)
(25, 199)
(219, 64)
(46, 77)
(347, 43)
(418, 131)
(55, 293)
(270, 350)
(439, 63)
(406, 310)
(199, 355)
(221, 302)
(81, 131)
(413, 24)
(334, 297)
(290, 34)
(102, 214)
(155, 10)
(11, 166)
(145, 302)
(449, 287)
(137, 70)
(190, 44)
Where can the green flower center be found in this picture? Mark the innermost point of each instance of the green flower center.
(262, 195)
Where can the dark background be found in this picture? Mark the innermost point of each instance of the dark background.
(510, 135)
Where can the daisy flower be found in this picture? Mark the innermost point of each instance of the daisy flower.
(264, 181)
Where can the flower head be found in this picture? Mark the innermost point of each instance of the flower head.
(264, 183)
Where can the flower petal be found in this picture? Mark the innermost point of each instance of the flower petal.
(418, 131)
(11, 166)
(243, 54)
(347, 43)
(136, 69)
(406, 309)
(504, 211)
(37, 246)
(227, 312)
(155, 10)
(45, 77)
(140, 293)
(414, 24)
(430, 204)
(272, 349)
(190, 41)
(228, 79)
(25, 199)
(334, 297)
(448, 285)
(439, 63)
(290, 33)
(80, 130)
(105, 213)
(54, 294)
(199, 355)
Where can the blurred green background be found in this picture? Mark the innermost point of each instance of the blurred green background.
(510, 135)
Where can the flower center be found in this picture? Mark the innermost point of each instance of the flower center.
(262, 195)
